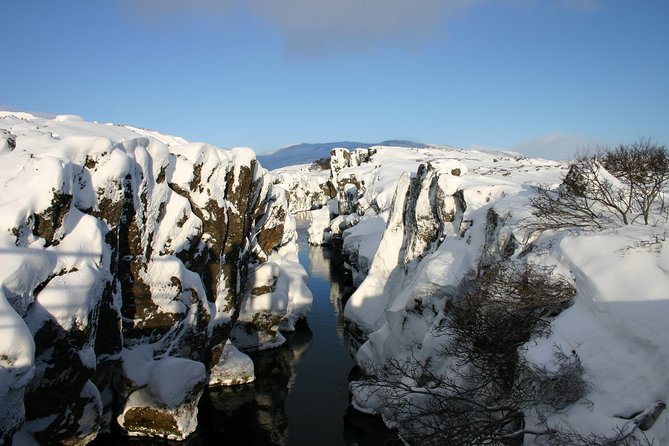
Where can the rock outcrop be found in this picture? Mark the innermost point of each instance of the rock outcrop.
(455, 229)
(126, 258)
(331, 199)
(350, 189)
(307, 187)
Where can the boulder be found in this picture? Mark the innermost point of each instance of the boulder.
(166, 405)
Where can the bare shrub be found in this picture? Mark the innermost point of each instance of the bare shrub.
(478, 399)
(626, 435)
(563, 209)
(561, 387)
(605, 188)
(501, 306)
(643, 167)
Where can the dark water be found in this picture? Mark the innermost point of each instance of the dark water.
(300, 396)
(319, 398)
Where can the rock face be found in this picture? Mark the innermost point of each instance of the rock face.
(321, 195)
(126, 256)
(428, 217)
(419, 227)
(349, 187)
(307, 187)
(423, 213)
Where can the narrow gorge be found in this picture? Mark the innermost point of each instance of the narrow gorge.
(153, 287)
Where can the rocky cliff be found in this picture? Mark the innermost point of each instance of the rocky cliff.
(127, 259)
(444, 279)
(308, 186)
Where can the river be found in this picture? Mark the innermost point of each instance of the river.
(300, 396)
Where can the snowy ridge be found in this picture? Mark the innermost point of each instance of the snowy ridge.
(126, 258)
(308, 152)
(446, 212)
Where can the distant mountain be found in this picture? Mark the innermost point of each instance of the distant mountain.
(309, 152)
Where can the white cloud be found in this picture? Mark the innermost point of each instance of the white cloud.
(315, 26)
(559, 146)
(311, 26)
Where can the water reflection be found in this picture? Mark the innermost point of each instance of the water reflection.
(328, 276)
(255, 414)
(300, 396)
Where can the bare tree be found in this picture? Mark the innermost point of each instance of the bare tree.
(611, 186)
(643, 167)
(591, 183)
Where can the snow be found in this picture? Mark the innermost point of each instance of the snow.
(287, 300)
(178, 405)
(23, 438)
(292, 281)
(233, 368)
(168, 140)
(365, 306)
(319, 229)
(137, 363)
(169, 297)
(91, 413)
(171, 370)
(60, 271)
(617, 324)
(16, 343)
(67, 299)
(304, 186)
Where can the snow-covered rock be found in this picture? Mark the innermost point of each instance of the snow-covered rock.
(307, 187)
(350, 188)
(278, 298)
(120, 244)
(166, 403)
(319, 227)
(454, 211)
(308, 152)
(233, 368)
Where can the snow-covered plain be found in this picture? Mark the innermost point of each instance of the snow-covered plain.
(126, 258)
(414, 222)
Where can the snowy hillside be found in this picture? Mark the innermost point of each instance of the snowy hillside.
(435, 236)
(307, 152)
(127, 258)
(500, 299)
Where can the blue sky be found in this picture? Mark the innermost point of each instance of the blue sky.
(539, 76)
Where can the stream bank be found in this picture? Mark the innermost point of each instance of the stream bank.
(300, 396)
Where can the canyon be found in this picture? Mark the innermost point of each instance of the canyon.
(139, 270)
